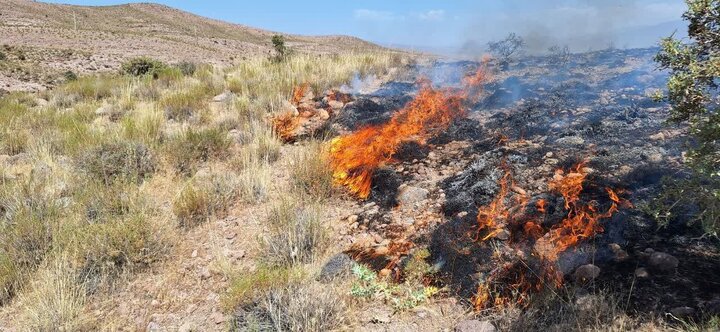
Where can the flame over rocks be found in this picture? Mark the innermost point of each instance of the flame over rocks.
(516, 275)
(356, 156)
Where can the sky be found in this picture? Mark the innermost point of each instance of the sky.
(457, 24)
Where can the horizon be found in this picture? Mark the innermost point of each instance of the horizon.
(452, 27)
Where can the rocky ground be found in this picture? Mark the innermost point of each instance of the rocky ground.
(536, 118)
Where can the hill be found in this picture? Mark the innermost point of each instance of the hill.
(41, 41)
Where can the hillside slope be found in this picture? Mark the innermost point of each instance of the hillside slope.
(41, 41)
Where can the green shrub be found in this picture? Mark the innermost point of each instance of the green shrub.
(182, 105)
(192, 206)
(141, 66)
(187, 68)
(70, 76)
(187, 150)
(119, 160)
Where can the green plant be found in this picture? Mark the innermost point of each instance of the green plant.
(193, 146)
(192, 206)
(402, 297)
(187, 68)
(141, 66)
(124, 160)
(692, 87)
(281, 50)
(70, 76)
(182, 105)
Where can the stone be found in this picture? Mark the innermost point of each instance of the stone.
(230, 235)
(217, 318)
(518, 190)
(682, 311)
(186, 327)
(663, 262)
(620, 254)
(410, 195)
(657, 137)
(334, 104)
(194, 253)
(381, 317)
(323, 114)
(641, 273)
(382, 250)
(153, 326)
(205, 274)
(223, 97)
(352, 218)
(586, 273)
(337, 266)
(474, 325)
(571, 140)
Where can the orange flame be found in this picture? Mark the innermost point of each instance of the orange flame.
(299, 92)
(355, 157)
(582, 222)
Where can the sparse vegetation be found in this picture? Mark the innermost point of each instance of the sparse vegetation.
(311, 172)
(93, 183)
(281, 51)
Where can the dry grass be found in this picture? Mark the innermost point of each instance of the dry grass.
(310, 170)
(297, 234)
(75, 207)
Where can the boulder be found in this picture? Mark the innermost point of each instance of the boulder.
(663, 262)
(474, 325)
(587, 272)
(409, 195)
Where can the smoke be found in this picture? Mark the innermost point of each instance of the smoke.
(580, 24)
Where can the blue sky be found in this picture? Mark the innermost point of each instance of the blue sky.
(450, 23)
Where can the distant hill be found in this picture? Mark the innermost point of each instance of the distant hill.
(83, 39)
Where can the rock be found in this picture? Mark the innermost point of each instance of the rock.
(186, 327)
(153, 326)
(352, 218)
(657, 137)
(230, 235)
(334, 104)
(194, 253)
(518, 190)
(217, 318)
(223, 97)
(586, 273)
(663, 262)
(655, 157)
(323, 114)
(620, 254)
(381, 317)
(641, 273)
(205, 274)
(410, 195)
(570, 140)
(474, 325)
(682, 311)
(382, 250)
(338, 266)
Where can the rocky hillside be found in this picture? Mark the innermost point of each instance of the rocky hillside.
(42, 41)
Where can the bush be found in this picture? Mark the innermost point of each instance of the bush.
(281, 51)
(120, 160)
(559, 56)
(193, 146)
(187, 68)
(296, 234)
(692, 90)
(141, 66)
(192, 205)
(70, 76)
(182, 105)
(307, 307)
(505, 49)
(310, 171)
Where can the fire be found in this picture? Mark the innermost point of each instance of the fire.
(517, 277)
(299, 92)
(284, 125)
(355, 157)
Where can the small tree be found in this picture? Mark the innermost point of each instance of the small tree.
(559, 56)
(693, 95)
(282, 52)
(507, 48)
